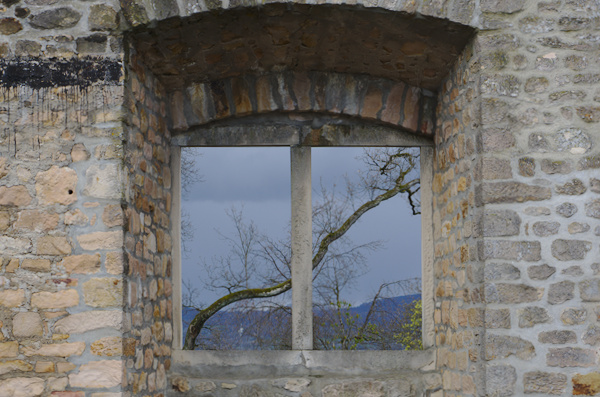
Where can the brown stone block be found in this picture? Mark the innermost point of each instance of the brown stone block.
(55, 300)
(36, 220)
(220, 100)
(14, 365)
(302, 87)
(83, 264)
(264, 95)
(50, 245)
(202, 102)
(55, 350)
(372, 102)
(101, 240)
(44, 366)
(103, 292)
(9, 349)
(241, 96)
(411, 109)
(16, 196)
(36, 265)
(394, 105)
(56, 186)
(586, 384)
(108, 346)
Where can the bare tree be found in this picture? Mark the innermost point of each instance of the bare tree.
(259, 267)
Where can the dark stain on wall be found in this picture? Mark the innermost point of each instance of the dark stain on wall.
(42, 73)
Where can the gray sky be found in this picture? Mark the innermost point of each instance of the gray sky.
(258, 180)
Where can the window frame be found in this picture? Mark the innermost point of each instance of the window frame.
(300, 140)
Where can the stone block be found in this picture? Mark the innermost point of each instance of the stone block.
(592, 336)
(112, 215)
(79, 153)
(89, 321)
(9, 349)
(545, 228)
(14, 246)
(530, 316)
(561, 292)
(83, 264)
(103, 18)
(502, 6)
(566, 210)
(55, 350)
(544, 382)
(500, 380)
(56, 18)
(510, 250)
(557, 337)
(14, 365)
(555, 167)
(114, 262)
(586, 384)
(103, 181)
(527, 166)
(27, 325)
(512, 293)
(498, 223)
(568, 250)
(56, 186)
(592, 209)
(98, 374)
(14, 196)
(578, 227)
(22, 387)
(501, 271)
(103, 292)
(589, 290)
(101, 240)
(572, 140)
(573, 316)
(55, 300)
(511, 192)
(12, 298)
(36, 265)
(108, 347)
(574, 187)
(53, 245)
(44, 366)
(35, 220)
(501, 346)
(570, 357)
(497, 318)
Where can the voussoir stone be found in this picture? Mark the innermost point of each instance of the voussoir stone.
(22, 387)
(98, 374)
(55, 300)
(560, 337)
(500, 380)
(570, 357)
(56, 186)
(568, 250)
(544, 382)
(586, 384)
(27, 325)
(57, 18)
(501, 346)
(530, 316)
(561, 292)
(89, 321)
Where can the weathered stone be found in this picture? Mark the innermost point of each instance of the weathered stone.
(103, 18)
(55, 300)
(592, 336)
(530, 316)
(16, 196)
(512, 293)
(4, 220)
(14, 365)
(101, 240)
(592, 209)
(572, 140)
(12, 298)
(501, 271)
(500, 346)
(57, 18)
(577, 227)
(589, 163)
(56, 350)
(497, 318)
(586, 384)
(79, 153)
(83, 264)
(108, 346)
(570, 357)
(10, 26)
(506, 85)
(595, 185)
(103, 181)
(114, 262)
(203, 387)
(537, 211)
(566, 210)
(22, 387)
(112, 215)
(510, 250)
(572, 316)
(494, 140)
(500, 223)
(14, 246)
(180, 384)
(561, 292)
(571, 188)
(527, 166)
(589, 114)
(536, 85)
(103, 292)
(27, 325)
(367, 388)
(98, 374)
(35, 220)
(500, 380)
(92, 44)
(36, 265)
(9, 349)
(50, 245)
(544, 228)
(56, 186)
(76, 217)
(44, 366)
(512, 192)
(574, 271)
(589, 290)
(89, 321)
(538, 143)
(28, 48)
(544, 382)
(557, 337)
(568, 250)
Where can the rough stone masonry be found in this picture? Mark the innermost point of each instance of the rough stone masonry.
(92, 92)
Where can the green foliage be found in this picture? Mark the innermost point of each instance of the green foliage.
(409, 334)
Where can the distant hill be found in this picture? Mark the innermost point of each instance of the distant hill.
(230, 327)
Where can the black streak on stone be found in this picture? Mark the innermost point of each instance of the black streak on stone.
(59, 73)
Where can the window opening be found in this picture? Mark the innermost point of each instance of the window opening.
(266, 324)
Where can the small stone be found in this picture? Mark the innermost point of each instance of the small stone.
(98, 374)
(500, 346)
(10, 26)
(79, 153)
(12, 298)
(589, 114)
(543, 229)
(589, 290)
(595, 185)
(561, 292)
(55, 300)
(180, 384)
(570, 357)
(228, 386)
(76, 217)
(103, 18)
(566, 210)
(536, 85)
(555, 167)
(497, 318)
(500, 380)
(493, 168)
(88, 321)
(28, 48)
(538, 143)
(568, 250)
(57, 18)
(22, 387)
(544, 382)
(27, 325)
(103, 292)
(44, 366)
(56, 186)
(510, 250)
(571, 188)
(587, 384)
(500, 223)
(572, 316)
(557, 337)
(530, 316)
(592, 336)
(203, 387)
(592, 209)
(577, 227)
(95, 43)
(83, 264)
(50, 245)
(527, 167)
